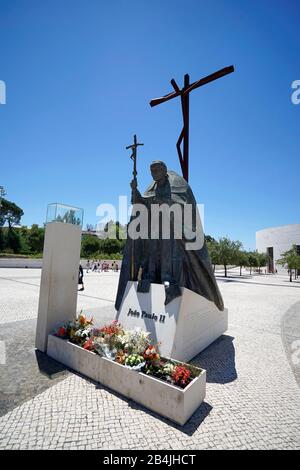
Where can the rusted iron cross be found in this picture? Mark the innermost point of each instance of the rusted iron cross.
(184, 95)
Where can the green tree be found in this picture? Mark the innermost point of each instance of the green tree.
(110, 246)
(36, 239)
(213, 250)
(243, 260)
(252, 260)
(13, 241)
(23, 232)
(2, 240)
(262, 260)
(10, 213)
(90, 245)
(291, 259)
(210, 239)
(228, 252)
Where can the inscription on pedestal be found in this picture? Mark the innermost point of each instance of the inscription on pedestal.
(150, 316)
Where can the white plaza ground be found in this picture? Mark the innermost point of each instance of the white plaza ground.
(253, 375)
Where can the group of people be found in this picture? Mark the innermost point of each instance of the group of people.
(96, 266)
(99, 266)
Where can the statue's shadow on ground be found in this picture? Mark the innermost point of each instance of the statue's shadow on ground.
(219, 361)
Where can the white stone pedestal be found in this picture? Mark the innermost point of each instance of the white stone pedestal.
(59, 283)
(184, 327)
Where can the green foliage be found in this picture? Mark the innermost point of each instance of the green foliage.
(22, 240)
(2, 241)
(225, 252)
(257, 260)
(94, 247)
(13, 240)
(291, 259)
(252, 259)
(228, 252)
(35, 239)
(89, 245)
(10, 213)
(110, 246)
(213, 249)
(209, 239)
(9, 254)
(242, 260)
(262, 259)
(101, 256)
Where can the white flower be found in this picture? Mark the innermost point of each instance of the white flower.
(169, 368)
(135, 341)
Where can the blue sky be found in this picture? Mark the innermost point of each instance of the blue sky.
(80, 75)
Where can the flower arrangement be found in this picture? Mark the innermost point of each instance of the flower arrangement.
(130, 348)
(181, 376)
(77, 331)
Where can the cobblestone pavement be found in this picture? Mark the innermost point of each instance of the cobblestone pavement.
(252, 399)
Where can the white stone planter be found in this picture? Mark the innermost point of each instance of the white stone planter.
(165, 399)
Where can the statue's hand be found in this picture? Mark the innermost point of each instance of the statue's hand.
(133, 185)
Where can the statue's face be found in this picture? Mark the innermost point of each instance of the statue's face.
(158, 172)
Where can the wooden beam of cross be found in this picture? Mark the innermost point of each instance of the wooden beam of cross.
(185, 102)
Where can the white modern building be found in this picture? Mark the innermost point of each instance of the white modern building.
(277, 240)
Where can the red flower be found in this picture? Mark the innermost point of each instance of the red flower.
(113, 329)
(181, 375)
(151, 354)
(61, 331)
(88, 344)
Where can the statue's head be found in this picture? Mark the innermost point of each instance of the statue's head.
(158, 170)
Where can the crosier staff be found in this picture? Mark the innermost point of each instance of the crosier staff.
(133, 157)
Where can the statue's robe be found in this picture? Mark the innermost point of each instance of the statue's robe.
(160, 260)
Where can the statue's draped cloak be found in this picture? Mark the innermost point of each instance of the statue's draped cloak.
(163, 260)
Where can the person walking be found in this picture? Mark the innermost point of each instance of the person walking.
(80, 278)
(88, 266)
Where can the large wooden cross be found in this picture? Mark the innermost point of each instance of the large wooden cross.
(184, 95)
